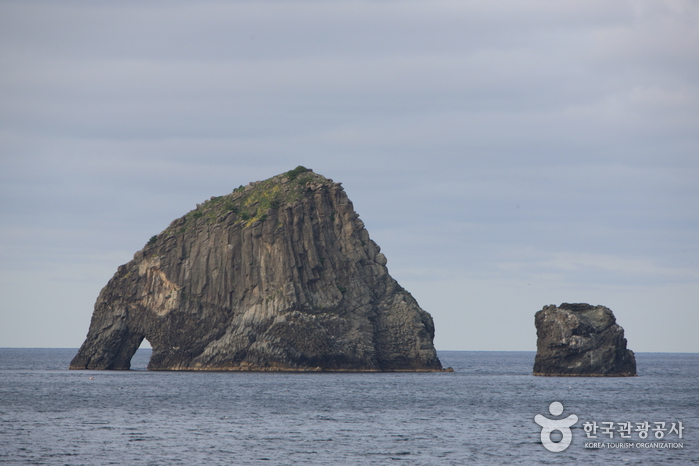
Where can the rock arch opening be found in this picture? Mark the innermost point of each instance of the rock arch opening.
(125, 351)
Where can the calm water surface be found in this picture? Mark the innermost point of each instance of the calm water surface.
(481, 414)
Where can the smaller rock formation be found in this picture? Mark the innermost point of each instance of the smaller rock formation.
(581, 340)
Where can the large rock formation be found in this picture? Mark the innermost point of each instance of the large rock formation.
(581, 340)
(278, 275)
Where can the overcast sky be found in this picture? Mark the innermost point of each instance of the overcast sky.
(505, 155)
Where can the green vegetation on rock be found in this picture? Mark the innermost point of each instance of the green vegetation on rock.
(250, 203)
(293, 174)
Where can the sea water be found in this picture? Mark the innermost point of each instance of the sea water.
(483, 413)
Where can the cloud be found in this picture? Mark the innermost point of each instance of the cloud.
(488, 142)
(600, 268)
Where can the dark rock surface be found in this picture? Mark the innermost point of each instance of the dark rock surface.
(278, 275)
(581, 340)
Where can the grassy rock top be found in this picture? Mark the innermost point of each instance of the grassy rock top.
(250, 203)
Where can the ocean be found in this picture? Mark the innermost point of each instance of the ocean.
(481, 414)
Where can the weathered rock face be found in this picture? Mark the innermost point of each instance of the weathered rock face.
(582, 340)
(278, 275)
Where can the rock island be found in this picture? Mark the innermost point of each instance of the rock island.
(581, 340)
(279, 275)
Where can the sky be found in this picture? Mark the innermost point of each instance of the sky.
(505, 155)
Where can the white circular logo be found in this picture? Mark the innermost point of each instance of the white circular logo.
(561, 425)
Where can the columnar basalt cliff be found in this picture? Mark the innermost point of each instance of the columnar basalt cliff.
(581, 340)
(278, 275)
